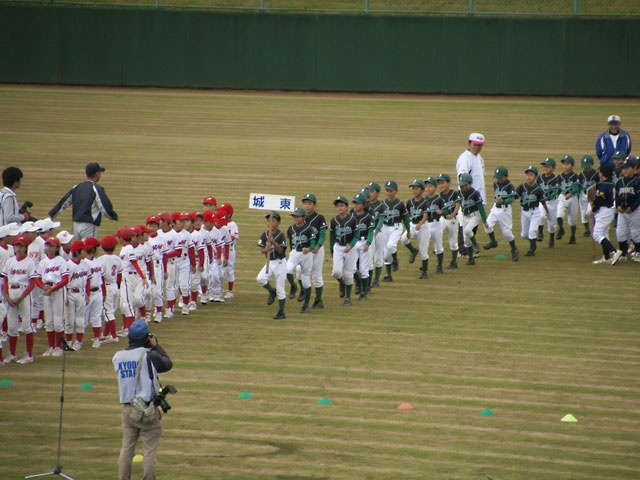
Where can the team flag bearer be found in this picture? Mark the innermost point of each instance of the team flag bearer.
(273, 244)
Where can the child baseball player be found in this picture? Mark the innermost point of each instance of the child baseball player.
(35, 251)
(168, 235)
(65, 244)
(209, 204)
(7, 235)
(504, 195)
(301, 240)
(375, 209)
(112, 279)
(185, 254)
(52, 278)
(587, 179)
(472, 211)
(531, 197)
(197, 239)
(389, 227)
(273, 244)
(78, 290)
(627, 197)
(134, 281)
(234, 234)
(417, 216)
(212, 273)
(159, 248)
(319, 225)
(434, 205)
(550, 185)
(146, 265)
(222, 252)
(602, 205)
(19, 275)
(568, 198)
(95, 307)
(449, 219)
(365, 226)
(342, 239)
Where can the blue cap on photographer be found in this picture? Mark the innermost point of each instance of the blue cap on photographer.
(138, 333)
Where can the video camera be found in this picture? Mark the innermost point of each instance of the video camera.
(160, 398)
(25, 209)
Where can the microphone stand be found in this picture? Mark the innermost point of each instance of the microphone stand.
(58, 468)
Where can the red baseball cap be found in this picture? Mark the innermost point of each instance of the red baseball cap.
(221, 218)
(185, 216)
(208, 216)
(209, 201)
(166, 216)
(135, 231)
(91, 242)
(227, 207)
(153, 219)
(21, 240)
(175, 216)
(78, 245)
(52, 241)
(198, 214)
(125, 233)
(143, 229)
(109, 242)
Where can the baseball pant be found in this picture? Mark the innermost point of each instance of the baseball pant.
(363, 259)
(131, 294)
(75, 312)
(585, 207)
(378, 249)
(277, 269)
(344, 263)
(19, 317)
(392, 235)
(54, 309)
(3, 309)
(451, 227)
(82, 230)
(529, 222)
(157, 287)
(469, 222)
(195, 280)
(93, 312)
(215, 285)
(434, 233)
(501, 216)
(183, 275)
(229, 270)
(316, 269)
(569, 206)
(150, 433)
(552, 206)
(420, 236)
(111, 301)
(37, 302)
(628, 227)
(305, 260)
(601, 221)
(171, 280)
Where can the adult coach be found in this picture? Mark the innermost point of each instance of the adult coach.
(472, 163)
(9, 209)
(612, 140)
(89, 202)
(137, 370)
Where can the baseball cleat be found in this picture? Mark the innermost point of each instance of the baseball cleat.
(387, 278)
(48, 352)
(147, 317)
(572, 241)
(180, 304)
(471, 261)
(347, 302)
(26, 359)
(192, 306)
(10, 359)
(57, 352)
(157, 318)
(185, 310)
(394, 266)
(560, 234)
(635, 257)
(96, 343)
(76, 345)
(203, 300)
(123, 333)
(452, 265)
(279, 316)
(305, 309)
(586, 233)
(168, 313)
(271, 298)
(318, 303)
(423, 275)
(111, 339)
(552, 244)
(601, 261)
(439, 269)
(530, 253)
(39, 324)
(301, 296)
(515, 255)
(615, 257)
(489, 245)
(292, 292)
(412, 256)
(358, 288)
(363, 296)
(229, 294)
(375, 284)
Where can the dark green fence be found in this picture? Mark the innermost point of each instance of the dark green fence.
(94, 46)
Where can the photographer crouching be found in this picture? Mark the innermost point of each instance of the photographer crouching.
(137, 369)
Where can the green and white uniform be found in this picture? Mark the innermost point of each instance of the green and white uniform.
(364, 232)
(569, 183)
(375, 210)
(472, 211)
(417, 209)
(277, 264)
(389, 227)
(342, 233)
(587, 180)
(550, 186)
(319, 226)
(449, 202)
(301, 237)
(531, 199)
(501, 213)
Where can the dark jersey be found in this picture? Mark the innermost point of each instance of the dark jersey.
(588, 179)
(617, 175)
(416, 210)
(550, 186)
(449, 201)
(433, 204)
(364, 223)
(319, 225)
(376, 209)
(604, 195)
(344, 229)
(530, 197)
(278, 238)
(469, 200)
(300, 237)
(504, 191)
(569, 183)
(627, 192)
(393, 211)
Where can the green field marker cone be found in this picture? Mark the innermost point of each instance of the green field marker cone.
(245, 395)
(6, 383)
(86, 386)
(569, 418)
(138, 458)
(325, 401)
(500, 256)
(486, 411)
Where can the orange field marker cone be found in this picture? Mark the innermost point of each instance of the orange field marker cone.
(405, 406)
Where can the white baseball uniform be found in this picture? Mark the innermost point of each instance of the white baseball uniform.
(93, 311)
(234, 236)
(36, 253)
(79, 276)
(132, 287)
(18, 274)
(52, 271)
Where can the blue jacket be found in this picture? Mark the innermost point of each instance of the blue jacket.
(89, 202)
(604, 146)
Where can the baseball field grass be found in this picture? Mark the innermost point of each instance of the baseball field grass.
(532, 341)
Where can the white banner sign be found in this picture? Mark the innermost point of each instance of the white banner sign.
(264, 201)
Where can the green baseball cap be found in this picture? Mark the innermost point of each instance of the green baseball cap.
(444, 176)
(374, 186)
(273, 214)
(465, 178)
(568, 159)
(548, 161)
(432, 181)
(341, 199)
(417, 183)
(309, 196)
(299, 212)
(391, 185)
(501, 172)
(619, 154)
(366, 192)
(531, 168)
(587, 161)
(359, 198)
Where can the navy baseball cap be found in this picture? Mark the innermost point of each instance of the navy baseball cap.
(138, 329)
(92, 168)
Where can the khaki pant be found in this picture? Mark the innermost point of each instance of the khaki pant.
(150, 433)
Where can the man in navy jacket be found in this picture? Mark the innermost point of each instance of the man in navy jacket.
(612, 140)
(89, 202)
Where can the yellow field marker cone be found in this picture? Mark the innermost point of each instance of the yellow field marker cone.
(137, 458)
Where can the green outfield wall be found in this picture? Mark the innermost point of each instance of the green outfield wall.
(512, 56)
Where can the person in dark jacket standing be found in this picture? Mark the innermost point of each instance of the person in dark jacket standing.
(89, 201)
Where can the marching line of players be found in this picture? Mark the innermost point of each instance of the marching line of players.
(364, 240)
(54, 283)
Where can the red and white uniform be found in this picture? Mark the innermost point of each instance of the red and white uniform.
(112, 265)
(223, 245)
(147, 268)
(35, 252)
(159, 248)
(18, 275)
(52, 272)
(5, 254)
(170, 279)
(197, 237)
(132, 287)
(185, 259)
(234, 235)
(93, 312)
(77, 293)
(213, 276)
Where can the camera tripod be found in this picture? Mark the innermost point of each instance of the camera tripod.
(58, 468)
